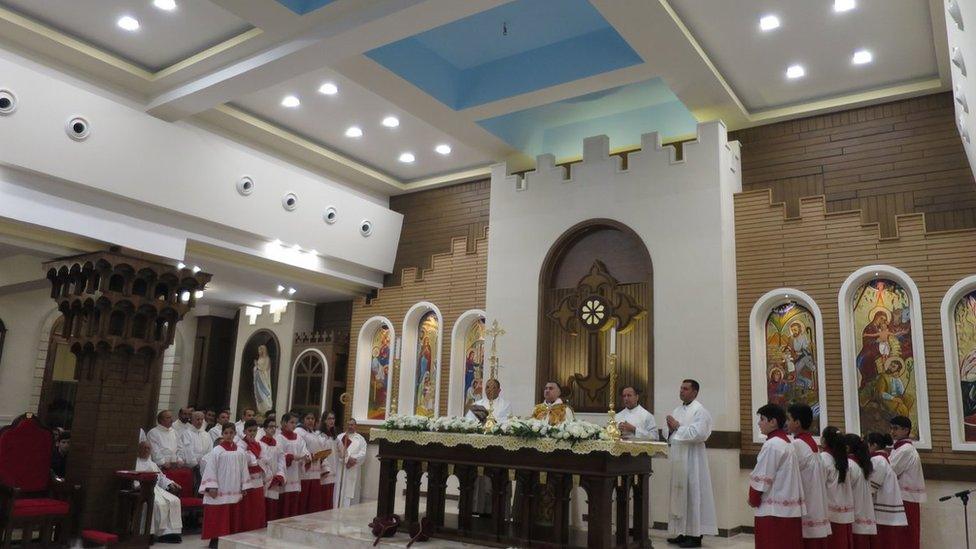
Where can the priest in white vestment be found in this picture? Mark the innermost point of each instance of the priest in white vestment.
(352, 449)
(501, 409)
(552, 409)
(214, 431)
(165, 442)
(635, 422)
(692, 504)
(167, 520)
(195, 441)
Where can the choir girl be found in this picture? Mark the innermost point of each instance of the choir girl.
(840, 497)
(272, 463)
(859, 471)
(329, 434)
(296, 455)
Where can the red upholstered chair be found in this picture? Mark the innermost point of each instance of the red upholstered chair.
(189, 501)
(32, 500)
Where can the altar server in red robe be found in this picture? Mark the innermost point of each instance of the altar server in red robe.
(312, 488)
(840, 497)
(296, 454)
(328, 433)
(775, 490)
(859, 470)
(908, 466)
(816, 525)
(253, 509)
(889, 508)
(225, 473)
(272, 462)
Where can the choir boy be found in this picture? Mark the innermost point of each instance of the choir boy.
(889, 508)
(908, 466)
(775, 490)
(859, 471)
(246, 415)
(224, 476)
(296, 454)
(272, 462)
(840, 497)
(816, 525)
(253, 512)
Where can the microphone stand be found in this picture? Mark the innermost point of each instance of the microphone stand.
(964, 498)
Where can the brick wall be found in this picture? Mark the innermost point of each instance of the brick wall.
(896, 158)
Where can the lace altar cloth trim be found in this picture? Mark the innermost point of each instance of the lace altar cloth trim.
(546, 445)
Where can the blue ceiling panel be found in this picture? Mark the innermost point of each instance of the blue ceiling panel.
(301, 7)
(516, 48)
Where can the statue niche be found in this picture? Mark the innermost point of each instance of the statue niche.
(581, 299)
(259, 373)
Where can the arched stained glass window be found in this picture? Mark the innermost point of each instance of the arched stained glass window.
(425, 388)
(379, 372)
(474, 361)
(791, 358)
(964, 317)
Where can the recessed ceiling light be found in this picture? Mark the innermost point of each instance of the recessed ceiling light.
(198, 294)
(407, 157)
(844, 5)
(328, 89)
(196, 269)
(280, 288)
(862, 57)
(291, 291)
(769, 22)
(290, 101)
(127, 22)
(165, 5)
(795, 71)
(354, 131)
(443, 149)
(391, 121)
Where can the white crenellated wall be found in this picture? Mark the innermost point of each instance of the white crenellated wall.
(962, 64)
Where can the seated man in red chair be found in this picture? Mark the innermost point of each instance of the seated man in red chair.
(167, 522)
(30, 496)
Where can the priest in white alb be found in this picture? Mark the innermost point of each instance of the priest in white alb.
(635, 422)
(165, 442)
(692, 505)
(501, 409)
(167, 521)
(352, 450)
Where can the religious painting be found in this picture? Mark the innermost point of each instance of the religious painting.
(474, 361)
(965, 323)
(379, 371)
(425, 388)
(885, 361)
(791, 358)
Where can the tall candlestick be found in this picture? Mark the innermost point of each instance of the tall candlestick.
(613, 340)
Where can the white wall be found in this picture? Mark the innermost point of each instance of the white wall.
(24, 314)
(964, 83)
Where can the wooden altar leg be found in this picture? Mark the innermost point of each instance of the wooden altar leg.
(386, 497)
(466, 475)
(563, 488)
(499, 492)
(411, 512)
(642, 512)
(525, 488)
(622, 490)
(436, 486)
(599, 492)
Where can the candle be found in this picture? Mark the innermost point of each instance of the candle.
(613, 340)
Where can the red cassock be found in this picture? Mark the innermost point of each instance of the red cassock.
(329, 490)
(221, 520)
(779, 533)
(841, 536)
(815, 543)
(272, 509)
(862, 541)
(311, 496)
(914, 514)
(290, 504)
(253, 511)
(889, 537)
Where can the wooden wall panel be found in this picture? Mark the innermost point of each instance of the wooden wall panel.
(815, 252)
(884, 160)
(432, 219)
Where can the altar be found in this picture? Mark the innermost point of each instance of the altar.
(544, 470)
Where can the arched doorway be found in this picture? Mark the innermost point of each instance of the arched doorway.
(597, 263)
(308, 383)
(251, 367)
(60, 382)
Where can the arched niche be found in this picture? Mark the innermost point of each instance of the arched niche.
(579, 362)
(374, 371)
(246, 396)
(787, 354)
(958, 314)
(420, 371)
(309, 381)
(882, 352)
(59, 384)
(467, 338)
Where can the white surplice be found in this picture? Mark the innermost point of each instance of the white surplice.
(347, 493)
(194, 444)
(777, 476)
(908, 466)
(331, 463)
(889, 509)
(313, 443)
(500, 408)
(692, 504)
(165, 443)
(296, 448)
(816, 524)
(840, 496)
(225, 470)
(167, 511)
(864, 519)
(215, 433)
(642, 420)
(272, 463)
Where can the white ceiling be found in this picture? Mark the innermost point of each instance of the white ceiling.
(324, 119)
(164, 37)
(897, 32)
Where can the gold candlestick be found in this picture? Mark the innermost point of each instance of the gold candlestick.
(612, 430)
(394, 386)
(493, 332)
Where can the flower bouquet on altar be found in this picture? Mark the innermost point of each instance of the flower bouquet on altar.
(576, 430)
(524, 428)
(455, 425)
(407, 423)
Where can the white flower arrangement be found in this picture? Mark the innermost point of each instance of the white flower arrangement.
(525, 428)
(455, 425)
(577, 430)
(407, 423)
